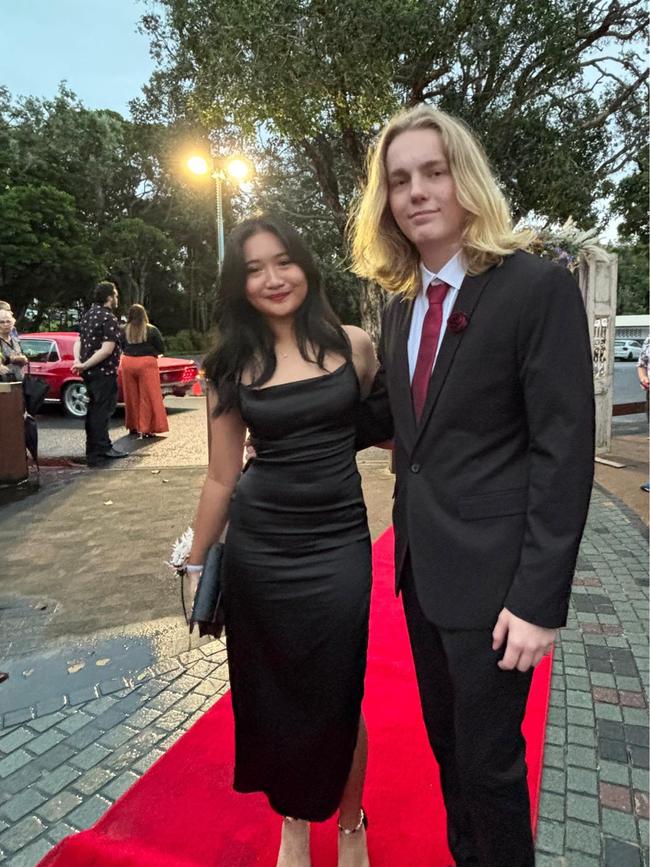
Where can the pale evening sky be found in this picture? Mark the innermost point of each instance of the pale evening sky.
(92, 44)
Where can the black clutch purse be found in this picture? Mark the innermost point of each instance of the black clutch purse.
(34, 391)
(207, 610)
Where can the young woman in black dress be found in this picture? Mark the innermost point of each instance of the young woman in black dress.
(297, 569)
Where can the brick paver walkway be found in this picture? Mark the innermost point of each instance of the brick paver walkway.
(59, 772)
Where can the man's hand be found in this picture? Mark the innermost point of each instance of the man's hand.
(249, 450)
(526, 643)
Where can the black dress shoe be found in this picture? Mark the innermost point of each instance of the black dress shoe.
(96, 461)
(115, 453)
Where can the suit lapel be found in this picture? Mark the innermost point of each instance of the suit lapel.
(468, 296)
(402, 391)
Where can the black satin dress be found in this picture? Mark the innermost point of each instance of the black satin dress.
(297, 578)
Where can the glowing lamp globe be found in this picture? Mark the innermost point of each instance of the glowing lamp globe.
(197, 165)
(238, 169)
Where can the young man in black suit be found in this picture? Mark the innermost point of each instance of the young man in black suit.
(486, 370)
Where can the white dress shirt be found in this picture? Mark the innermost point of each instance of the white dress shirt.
(452, 273)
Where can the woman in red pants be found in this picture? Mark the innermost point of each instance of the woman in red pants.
(143, 343)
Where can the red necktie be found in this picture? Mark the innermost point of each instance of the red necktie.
(428, 345)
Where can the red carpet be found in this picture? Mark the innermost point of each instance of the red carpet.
(183, 813)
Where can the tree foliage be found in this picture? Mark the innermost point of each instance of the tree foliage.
(554, 88)
(136, 253)
(633, 264)
(45, 250)
(631, 202)
(87, 194)
(528, 77)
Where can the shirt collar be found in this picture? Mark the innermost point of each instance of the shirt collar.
(452, 272)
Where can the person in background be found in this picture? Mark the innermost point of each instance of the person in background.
(96, 358)
(12, 360)
(5, 305)
(143, 344)
(642, 371)
(494, 460)
(9, 364)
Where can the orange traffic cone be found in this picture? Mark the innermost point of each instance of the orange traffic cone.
(197, 391)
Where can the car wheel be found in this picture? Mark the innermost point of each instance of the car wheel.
(629, 356)
(75, 399)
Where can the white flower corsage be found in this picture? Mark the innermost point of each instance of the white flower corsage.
(181, 551)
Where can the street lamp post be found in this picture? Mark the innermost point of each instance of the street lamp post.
(235, 168)
(218, 182)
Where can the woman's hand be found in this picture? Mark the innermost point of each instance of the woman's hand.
(193, 576)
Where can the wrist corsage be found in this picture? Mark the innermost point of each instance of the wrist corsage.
(180, 553)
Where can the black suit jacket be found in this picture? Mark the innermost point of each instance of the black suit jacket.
(493, 485)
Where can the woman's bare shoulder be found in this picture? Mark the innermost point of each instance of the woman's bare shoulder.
(359, 339)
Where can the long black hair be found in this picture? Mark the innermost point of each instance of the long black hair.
(244, 338)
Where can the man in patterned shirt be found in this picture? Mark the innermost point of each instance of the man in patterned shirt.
(97, 356)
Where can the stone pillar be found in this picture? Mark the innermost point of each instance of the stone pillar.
(598, 282)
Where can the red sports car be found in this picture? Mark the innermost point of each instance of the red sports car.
(50, 357)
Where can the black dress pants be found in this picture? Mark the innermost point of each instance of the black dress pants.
(102, 392)
(473, 713)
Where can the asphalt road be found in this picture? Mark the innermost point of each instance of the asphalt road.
(628, 390)
(184, 445)
(626, 383)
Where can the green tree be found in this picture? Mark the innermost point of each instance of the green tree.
(136, 253)
(633, 265)
(630, 201)
(46, 255)
(88, 154)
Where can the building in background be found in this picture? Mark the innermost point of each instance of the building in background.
(633, 327)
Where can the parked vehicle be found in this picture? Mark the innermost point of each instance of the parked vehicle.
(627, 350)
(51, 356)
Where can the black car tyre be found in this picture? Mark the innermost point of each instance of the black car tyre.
(75, 400)
(629, 356)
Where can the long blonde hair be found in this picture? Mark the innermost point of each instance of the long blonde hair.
(380, 251)
(136, 324)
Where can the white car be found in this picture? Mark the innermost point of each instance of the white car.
(627, 350)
